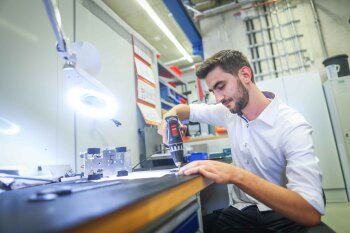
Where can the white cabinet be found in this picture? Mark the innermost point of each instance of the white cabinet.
(338, 98)
(304, 93)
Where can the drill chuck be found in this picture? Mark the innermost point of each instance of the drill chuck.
(175, 139)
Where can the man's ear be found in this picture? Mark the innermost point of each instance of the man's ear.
(245, 73)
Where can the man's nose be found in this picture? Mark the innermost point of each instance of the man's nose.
(219, 97)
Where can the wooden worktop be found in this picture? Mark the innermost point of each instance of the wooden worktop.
(125, 207)
(198, 139)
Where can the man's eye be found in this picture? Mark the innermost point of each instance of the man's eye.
(220, 87)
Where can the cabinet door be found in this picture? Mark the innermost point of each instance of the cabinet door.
(304, 93)
(341, 93)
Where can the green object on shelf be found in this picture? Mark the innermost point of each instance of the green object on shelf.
(226, 151)
(216, 155)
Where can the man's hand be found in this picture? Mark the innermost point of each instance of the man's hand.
(284, 201)
(163, 125)
(162, 132)
(221, 173)
(182, 111)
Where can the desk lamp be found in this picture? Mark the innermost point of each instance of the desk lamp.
(87, 95)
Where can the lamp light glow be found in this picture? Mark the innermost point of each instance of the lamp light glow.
(92, 103)
(87, 95)
(144, 4)
(7, 127)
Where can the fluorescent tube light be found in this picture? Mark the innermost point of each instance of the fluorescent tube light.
(144, 4)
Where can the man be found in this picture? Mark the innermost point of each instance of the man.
(275, 174)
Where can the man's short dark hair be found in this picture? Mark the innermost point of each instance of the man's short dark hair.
(229, 61)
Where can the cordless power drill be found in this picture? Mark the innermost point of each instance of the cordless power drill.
(175, 139)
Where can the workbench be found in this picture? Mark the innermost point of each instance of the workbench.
(130, 206)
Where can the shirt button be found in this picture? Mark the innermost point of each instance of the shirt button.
(246, 145)
(247, 125)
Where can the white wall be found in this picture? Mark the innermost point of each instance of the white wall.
(33, 88)
(226, 31)
(334, 18)
(117, 74)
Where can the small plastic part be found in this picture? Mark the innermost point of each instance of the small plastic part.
(198, 156)
(220, 130)
(120, 149)
(93, 151)
(226, 151)
(217, 155)
(122, 173)
(94, 176)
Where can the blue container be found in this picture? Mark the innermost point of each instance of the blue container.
(168, 94)
(198, 156)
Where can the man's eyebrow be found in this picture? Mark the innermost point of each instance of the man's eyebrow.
(215, 86)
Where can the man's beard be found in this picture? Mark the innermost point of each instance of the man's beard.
(241, 100)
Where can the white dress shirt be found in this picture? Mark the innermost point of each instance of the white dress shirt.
(276, 146)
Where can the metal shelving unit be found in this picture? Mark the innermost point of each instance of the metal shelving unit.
(274, 41)
(164, 72)
(166, 75)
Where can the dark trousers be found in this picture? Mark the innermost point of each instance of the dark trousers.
(252, 220)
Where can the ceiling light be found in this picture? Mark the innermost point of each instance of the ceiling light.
(164, 28)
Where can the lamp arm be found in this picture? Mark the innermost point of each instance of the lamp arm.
(76, 76)
(56, 24)
(88, 95)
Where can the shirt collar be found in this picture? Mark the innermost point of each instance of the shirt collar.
(269, 114)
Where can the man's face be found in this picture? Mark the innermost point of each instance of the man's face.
(228, 90)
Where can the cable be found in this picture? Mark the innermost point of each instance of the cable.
(147, 157)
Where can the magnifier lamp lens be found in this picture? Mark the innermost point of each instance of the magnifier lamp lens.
(92, 103)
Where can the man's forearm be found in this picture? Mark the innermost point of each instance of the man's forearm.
(288, 203)
(181, 110)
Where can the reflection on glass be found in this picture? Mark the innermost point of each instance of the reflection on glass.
(7, 127)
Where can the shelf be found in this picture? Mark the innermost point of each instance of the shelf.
(202, 138)
(162, 81)
(169, 75)
(165, 105)
(169, 95)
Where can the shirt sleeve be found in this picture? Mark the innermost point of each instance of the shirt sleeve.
(210, 114)
(302, 170)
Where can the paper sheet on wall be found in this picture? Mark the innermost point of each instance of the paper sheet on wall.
(144, 70)
(142, 54)
(146, 92)
(150, 114)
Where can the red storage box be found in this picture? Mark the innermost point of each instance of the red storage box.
(176, 70)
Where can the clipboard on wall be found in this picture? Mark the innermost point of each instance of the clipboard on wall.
(146, 86)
